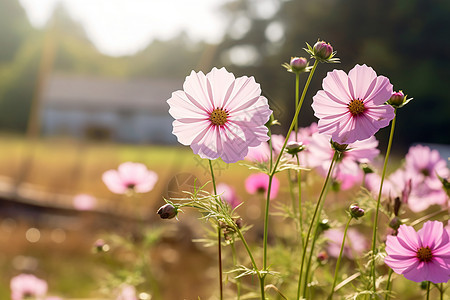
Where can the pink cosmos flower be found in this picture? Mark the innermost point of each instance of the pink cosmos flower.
(420, 256)
(259, 153)
(128, 177)
(351, 108)
(219, 115)
(84, 202)
(27, 285)
(355, 243)
(228, 194)
(424, 164)
(303, 136)
(347, 171)
(259, 182)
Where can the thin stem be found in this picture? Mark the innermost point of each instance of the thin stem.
(238, 280)
(294, 120)
(428, 290)
(441, 292)
(424, 218)
(299, 184)
(313, 244)
(219, 235)
(291, 192)
(375, 224)
(297, 86)
(338, 262)
(273, 168)
(305, 247)
(389, 285)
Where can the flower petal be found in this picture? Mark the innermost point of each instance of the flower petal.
(360, 81)
(220, 86)
(336, 83)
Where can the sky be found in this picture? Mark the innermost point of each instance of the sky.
(123, 27)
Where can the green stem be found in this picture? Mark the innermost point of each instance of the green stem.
(299, 183)
(428, 290)
(238, 280)
(273, 168)
(219, 237)
(441, 292)
(338, 262)
(305, 247)
(297, 111)
(375, 224)
(297, 87)
(389, 285)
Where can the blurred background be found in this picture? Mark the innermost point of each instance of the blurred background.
(84, 84)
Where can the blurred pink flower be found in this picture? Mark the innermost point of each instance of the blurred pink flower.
(351, 108)
(130, 176)
(420, 256)
(304, 136)
(27, 285)
(422, 164)
(347, 171)
(219, 115)
(355, 243)
(228, 194)
(259, 182)
(84, 202)
(127, 292)
(259, 153)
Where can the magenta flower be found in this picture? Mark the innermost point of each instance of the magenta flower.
(219, 115)
(259, 182)
(347, 170)
(424, 164)
(228, 194)
(130, 177)
(84, 202)
(355, 243)
(27, 285)
(420, 256)
(351, 108)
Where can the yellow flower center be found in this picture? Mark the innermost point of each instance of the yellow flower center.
(356, 107)
(218, 117)
(424, 254)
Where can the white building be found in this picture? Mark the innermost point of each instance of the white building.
(129, 111)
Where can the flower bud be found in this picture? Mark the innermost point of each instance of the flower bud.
(397, 99)
(356, 212)
(367, 169)
(298, 64)
(167, 211)
(322, 50)
(322, 256)
(101, 246)
(294, 147)
(324, 225)
(395, 223)
(339, 147)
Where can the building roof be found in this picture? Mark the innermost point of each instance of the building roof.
(92, 93)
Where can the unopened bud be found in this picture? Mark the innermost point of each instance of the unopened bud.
(322, 50)
(294, 147)
(356, 212)
(397, 99)
(101, 246)
(298, 64)
(322, 256)
(367, 169)
(395, 223)
(167, 211)
(339, 147)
